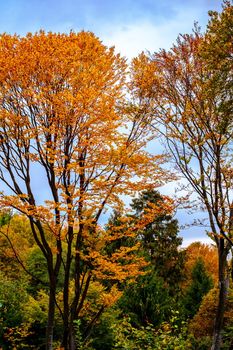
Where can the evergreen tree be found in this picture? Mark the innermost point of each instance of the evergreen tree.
(200, 286)
(147, 301)
(160, 241)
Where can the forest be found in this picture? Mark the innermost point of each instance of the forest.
(91, 253)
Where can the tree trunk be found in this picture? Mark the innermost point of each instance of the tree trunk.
(50, 323)
(223, 284)
(69, 341)
(64, 343)
(72, 342)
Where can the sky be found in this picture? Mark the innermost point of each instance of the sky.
(131, 26)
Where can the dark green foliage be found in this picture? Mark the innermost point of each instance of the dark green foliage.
(12, 298)
(200, 286)
(103, 333)
(37, 266)
(160, 241)
(147, 301)
(5, 218)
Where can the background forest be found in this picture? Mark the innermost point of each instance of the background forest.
(75, 117)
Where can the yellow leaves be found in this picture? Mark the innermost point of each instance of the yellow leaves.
(110, 298)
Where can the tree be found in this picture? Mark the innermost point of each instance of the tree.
(64, 115)
(150, 298)
(186, 108)
(200, 286)
(203, 322)
(217, 51)
(160, 240)
(208, 254)
(147, 301)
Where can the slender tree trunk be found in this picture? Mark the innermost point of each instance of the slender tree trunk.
(72, 343)
(50, 323)
(69, 341)
(223, 284)
(64, 343)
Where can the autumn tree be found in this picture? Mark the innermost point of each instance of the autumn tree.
(67, 128)
(217, 51)
(203, 322)
(189, 112)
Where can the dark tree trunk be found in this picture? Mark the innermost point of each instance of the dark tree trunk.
(50, 323)
(72, 342)
(69, 341)
(223, 286)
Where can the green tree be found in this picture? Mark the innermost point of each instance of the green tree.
(13, 296)
(151, 297)
(160, 240)
(147, 301)
(200, 286)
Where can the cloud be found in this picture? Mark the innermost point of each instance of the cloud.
(187, 241)
(145, 34)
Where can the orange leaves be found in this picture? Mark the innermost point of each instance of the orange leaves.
(123, 265)
(65, 120)
(64, 107)
(207, 253)
(143, 76)
(111, 297)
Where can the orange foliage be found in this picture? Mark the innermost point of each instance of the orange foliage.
(203, 322)
(65, 121)
(207, 253)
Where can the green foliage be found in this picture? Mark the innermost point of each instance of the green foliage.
(160, 241)
(13, 298)
(78, 335)
(168, 337)
(5, 218)
(102, 336)
(37, 265)
(147, 300)
(131, 338)
(200, 286)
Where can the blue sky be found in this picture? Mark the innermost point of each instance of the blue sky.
(130, 25)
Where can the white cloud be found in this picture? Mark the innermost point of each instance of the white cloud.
(187, 241)
(131, 39)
